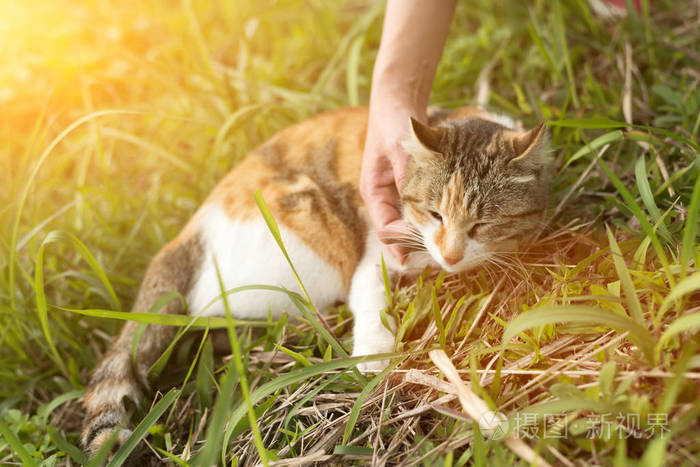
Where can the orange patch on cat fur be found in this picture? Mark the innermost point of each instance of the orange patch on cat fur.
(417, 214)
(439, 237)
(449, 237)
(299, 201)
(452, 197)
(308, 175)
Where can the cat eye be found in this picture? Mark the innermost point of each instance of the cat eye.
(473, 229)
(436, 215)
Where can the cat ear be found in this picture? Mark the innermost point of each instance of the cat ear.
(530, 145)
(423, 142)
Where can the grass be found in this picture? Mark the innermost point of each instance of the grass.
(117, 119)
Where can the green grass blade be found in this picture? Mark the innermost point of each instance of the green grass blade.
(275, 231)
(163, 319)
(690, 231)
(592, 23)
(185, 320)
(632, 205)
(566, 404)
(73, 451)
(58, 236)
(16, 445)
(241, 370)
(41, 303)
(359, 27)
(587, 123)
(173, 457)
(655, 453)
(295, 355)
(623, 273)
(205, 371)
(308, 397)
(685, 323)
(580, 314)
(387, 284)
(648, 36)
(593, 146)
(45, 410)
(352, 71)
(203, 342)
(640, 170)
(479, 447)
(674, 385)
(602, 140)
(232, 121)
(684, 287)
(366, 391)
(142, 428)
(406, 322)
(30, 182)
(312, 317)
(217, 426)
(560, 31)
(294, 377)
(536, 36)
(149, 148)
(437, 316)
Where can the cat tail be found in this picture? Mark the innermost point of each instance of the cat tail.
(123, 370)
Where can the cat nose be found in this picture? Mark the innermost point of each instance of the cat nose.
(452, 260)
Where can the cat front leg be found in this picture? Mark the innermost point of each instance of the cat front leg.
(367, 298)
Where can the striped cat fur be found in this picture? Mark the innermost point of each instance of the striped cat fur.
(475, 186)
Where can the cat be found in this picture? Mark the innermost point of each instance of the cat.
(475, 185)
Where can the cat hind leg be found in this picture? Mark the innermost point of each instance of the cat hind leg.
(118, 375)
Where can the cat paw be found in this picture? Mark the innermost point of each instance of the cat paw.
(370, 340)
(373, 366)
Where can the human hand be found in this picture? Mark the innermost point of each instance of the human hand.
(383, 166)
(412, 41)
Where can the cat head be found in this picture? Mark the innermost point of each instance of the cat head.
(474, 189)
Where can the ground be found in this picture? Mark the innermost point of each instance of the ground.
(118, 118)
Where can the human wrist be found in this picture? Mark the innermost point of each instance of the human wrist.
(397, 91)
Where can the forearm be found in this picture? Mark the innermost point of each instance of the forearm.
(412, 42)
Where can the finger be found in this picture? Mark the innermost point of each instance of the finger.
(389, 235)
(383, 206)
(392, 230)
(399, 163)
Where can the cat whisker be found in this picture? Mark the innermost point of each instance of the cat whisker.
(408, 239)
(516, 266)
(416, 237)
(513, 257)
(407, 229)
(512, 261)
(412, 246)
(505, 271)
(502, 272)
(504, 267)
(507, 265)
